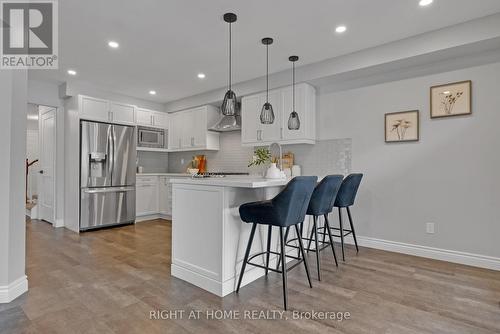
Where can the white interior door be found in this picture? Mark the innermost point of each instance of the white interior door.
(47, 165)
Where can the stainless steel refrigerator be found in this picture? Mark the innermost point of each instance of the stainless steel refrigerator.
(107, 175)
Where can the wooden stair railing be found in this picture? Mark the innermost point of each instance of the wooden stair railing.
(28, 165)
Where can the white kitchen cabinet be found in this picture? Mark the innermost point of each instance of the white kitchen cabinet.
(106, 111)
(151, 118)
(165, 196)
(175, 131)
(161, 120)
(253, 133)
(154, 196)
(147, 201)
(94, 109)
(143, 117)
(250, 132)
(122, 113)
(189, 129)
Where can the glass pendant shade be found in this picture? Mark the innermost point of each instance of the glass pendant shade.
(293, 121)
(228, 107)
(267, 114)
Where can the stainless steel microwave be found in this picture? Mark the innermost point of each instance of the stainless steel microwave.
(151, 137)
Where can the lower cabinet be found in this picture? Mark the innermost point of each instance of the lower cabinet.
(146, 196)
(165, 196)
(154, 196)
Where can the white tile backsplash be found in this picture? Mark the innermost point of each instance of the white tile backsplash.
(153, 162)
(325, 157)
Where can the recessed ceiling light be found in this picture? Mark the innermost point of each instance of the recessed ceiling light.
(71, 72)
(424, 3)
(340, 29)
(152, 92)
(201, 75)
(113, 44)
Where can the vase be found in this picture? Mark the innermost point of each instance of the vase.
(273, 172)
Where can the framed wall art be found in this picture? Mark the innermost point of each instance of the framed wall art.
(452, 99)
(402, 126)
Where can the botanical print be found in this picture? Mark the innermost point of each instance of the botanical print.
(451, 99)
(401, 126)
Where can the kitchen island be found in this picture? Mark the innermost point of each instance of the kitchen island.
(208, 236)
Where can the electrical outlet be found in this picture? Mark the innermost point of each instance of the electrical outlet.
(429, 228)
(182, 161)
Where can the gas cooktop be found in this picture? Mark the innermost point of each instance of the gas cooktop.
(219, 174)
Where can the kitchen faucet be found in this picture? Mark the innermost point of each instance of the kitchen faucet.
(281, 153)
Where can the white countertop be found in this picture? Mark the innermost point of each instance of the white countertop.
(233, 181)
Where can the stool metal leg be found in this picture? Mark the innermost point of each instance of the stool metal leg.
(247, 253)
(352, 229)
(269, 234)
(327, 228)
(301, 246)
(283, 266)
(311, 236)
(286, 238)
(324, 231)
(341, 234)
(318, 262)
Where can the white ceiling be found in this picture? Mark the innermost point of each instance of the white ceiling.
(164, 44)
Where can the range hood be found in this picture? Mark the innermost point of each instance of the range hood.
(227, 123)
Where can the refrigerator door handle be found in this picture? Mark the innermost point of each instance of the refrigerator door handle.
(112, 158)
(108, 190)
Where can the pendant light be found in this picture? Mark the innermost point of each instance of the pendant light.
(228, 107)
(267, 113)
(293, 120)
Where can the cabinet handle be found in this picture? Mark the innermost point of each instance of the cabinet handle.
(281, 133)
(110, 116)
(192, 141)
(152, 120)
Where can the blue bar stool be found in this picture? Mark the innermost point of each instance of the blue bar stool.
(345, 199)
(287, 209)
(321, 204)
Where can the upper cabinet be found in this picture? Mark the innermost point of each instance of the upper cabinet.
(151, 118)
(189, 129)
(123, 113)
(106, 111)
(253, 133)
(94, 109)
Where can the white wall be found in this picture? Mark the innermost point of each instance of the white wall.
(450, 177)
(13, 99)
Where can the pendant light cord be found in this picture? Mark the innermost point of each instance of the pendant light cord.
(293, 87)
(267, 73)
(230, 47)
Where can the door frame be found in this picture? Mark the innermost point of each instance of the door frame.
(54, 156)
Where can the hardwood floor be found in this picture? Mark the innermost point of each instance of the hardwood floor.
(108, 281)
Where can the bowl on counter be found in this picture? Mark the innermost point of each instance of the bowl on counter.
(193, 171)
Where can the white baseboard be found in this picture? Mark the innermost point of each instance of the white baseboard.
(139, 219)
(469, 259)
(10, 292)
(223, 288)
